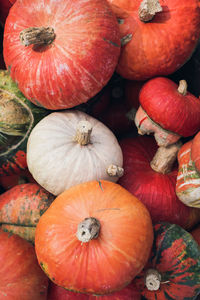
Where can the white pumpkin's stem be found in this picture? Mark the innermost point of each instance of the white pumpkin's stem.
(152, 280)
(88, 230)
(37, 36)
(83, 133)
(148, 9)
(165, 157)
(182, 88)
(115, 171)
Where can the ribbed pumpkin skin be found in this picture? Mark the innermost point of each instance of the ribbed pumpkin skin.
(161, 46)
(188, 179)
(128, 293)
(18, 116)
(79, 62)
(21, 276)
(176, 256)
(102, 265)
(22, 206)
(160, 98)
(155, 190)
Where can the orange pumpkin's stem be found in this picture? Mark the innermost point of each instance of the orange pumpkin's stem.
(37, 36)
(88, 230)
(152, 280)
(165, 157)
(182, 88)
(148, 9)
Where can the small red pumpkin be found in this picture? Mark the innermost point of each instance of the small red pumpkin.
(160, 40)
(130, 292)
(62, 54)
(98, 230)
(21, 276)
(173, 270)
(154, 189)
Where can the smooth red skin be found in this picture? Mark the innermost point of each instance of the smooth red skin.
(14, 165)
(196, 234)
(79, 62)
(161, 46)
(5, 7)
(155, 190)
(57, 293)
(163, 103)
(21, 276)
(195, 151)
(132, 90)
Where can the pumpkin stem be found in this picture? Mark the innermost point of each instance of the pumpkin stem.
(182, 88)
(165, 157)
(88, 230)
(148, 9)
(126, 39)
(152, 280)
(115, 171)
(83, 133)
(37, 36)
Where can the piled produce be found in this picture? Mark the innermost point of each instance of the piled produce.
(90, 207)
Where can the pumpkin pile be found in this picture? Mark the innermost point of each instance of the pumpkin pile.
(99, 150)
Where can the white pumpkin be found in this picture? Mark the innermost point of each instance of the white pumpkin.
(70, 147)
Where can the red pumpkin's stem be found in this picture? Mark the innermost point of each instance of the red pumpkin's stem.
(152, 280)
(83, 133)
(182, 88)
(37, 36)
(165, 157)
(88, 230)
(148, 9)
(115, 171)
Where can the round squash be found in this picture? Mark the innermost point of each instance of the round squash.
(70, 147)
(94, 238)
(62, 54)
(21, 276)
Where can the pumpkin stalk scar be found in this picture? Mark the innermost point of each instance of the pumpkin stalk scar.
(182, 88)
(148, 9)
(83, 133)
(115, 171)
(152, 280)
(37, 36)
(125, 39)
(88, 230)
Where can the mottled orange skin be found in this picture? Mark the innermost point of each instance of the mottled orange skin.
(76, 65)
(102, 265)
(195, 151)
(21, 276)
(161, 46)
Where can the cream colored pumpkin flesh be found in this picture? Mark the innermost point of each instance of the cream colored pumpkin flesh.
(56, 158)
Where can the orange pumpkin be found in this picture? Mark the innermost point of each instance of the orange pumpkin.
(94, 238)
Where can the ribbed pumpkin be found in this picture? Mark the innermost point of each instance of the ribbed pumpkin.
(130, 292)
(156, 190)
(21, 208)
(94, 238)
(161, 35)
(18, 116)
(21, 276)
(173, 270)
(62, 54)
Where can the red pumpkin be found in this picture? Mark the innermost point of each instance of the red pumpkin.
(173, 270)
(157, 46)
(21, 276)
(72, 59)
(7, 182)
(98, 230)
(21, 208)
(154, 189)
(58, 293)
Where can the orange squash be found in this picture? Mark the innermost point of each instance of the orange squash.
(94, 238)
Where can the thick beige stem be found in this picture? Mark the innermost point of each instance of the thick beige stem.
(182, 88)
(37, 36)
(148, 9)
(88, 230)
(165, 157)
(115, 171)
(83, 133)
(152, 280)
